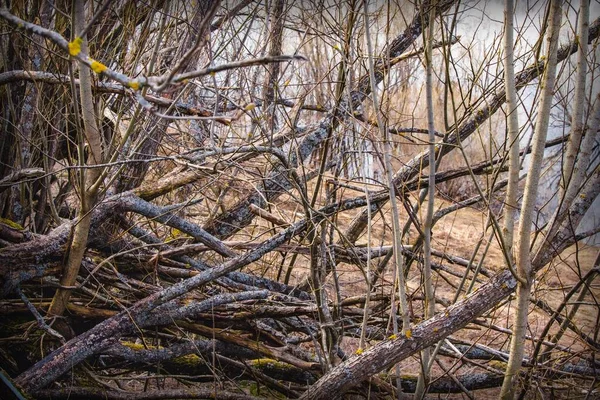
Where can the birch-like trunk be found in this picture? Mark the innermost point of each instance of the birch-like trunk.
(512, 124)
(579, 100)
(579, 148)
(524, 268)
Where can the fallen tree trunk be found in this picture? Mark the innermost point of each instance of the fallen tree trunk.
(85, 393)
(387, 353)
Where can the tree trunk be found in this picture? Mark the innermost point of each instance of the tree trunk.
(524, 267)
(88, 185)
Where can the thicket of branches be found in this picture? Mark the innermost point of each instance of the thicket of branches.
(185, 188)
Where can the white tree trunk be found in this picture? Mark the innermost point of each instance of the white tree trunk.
(512, 123)
(527, 209)
(579, 100)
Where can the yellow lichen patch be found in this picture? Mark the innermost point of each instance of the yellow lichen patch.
(11, 224)
(189, 359)
(262, 362)
(138, 346)
(501, 365)
(359, 351)
(98, 67)
(75, 46)
(408, 333)
(392, 337)
(186, 360)
(135, 85)
(265, 363)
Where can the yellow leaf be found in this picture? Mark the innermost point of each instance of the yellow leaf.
(75, 46)
(98, 67)
(392, 337)
(250, 107)
(135, 85)
(408, 334)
